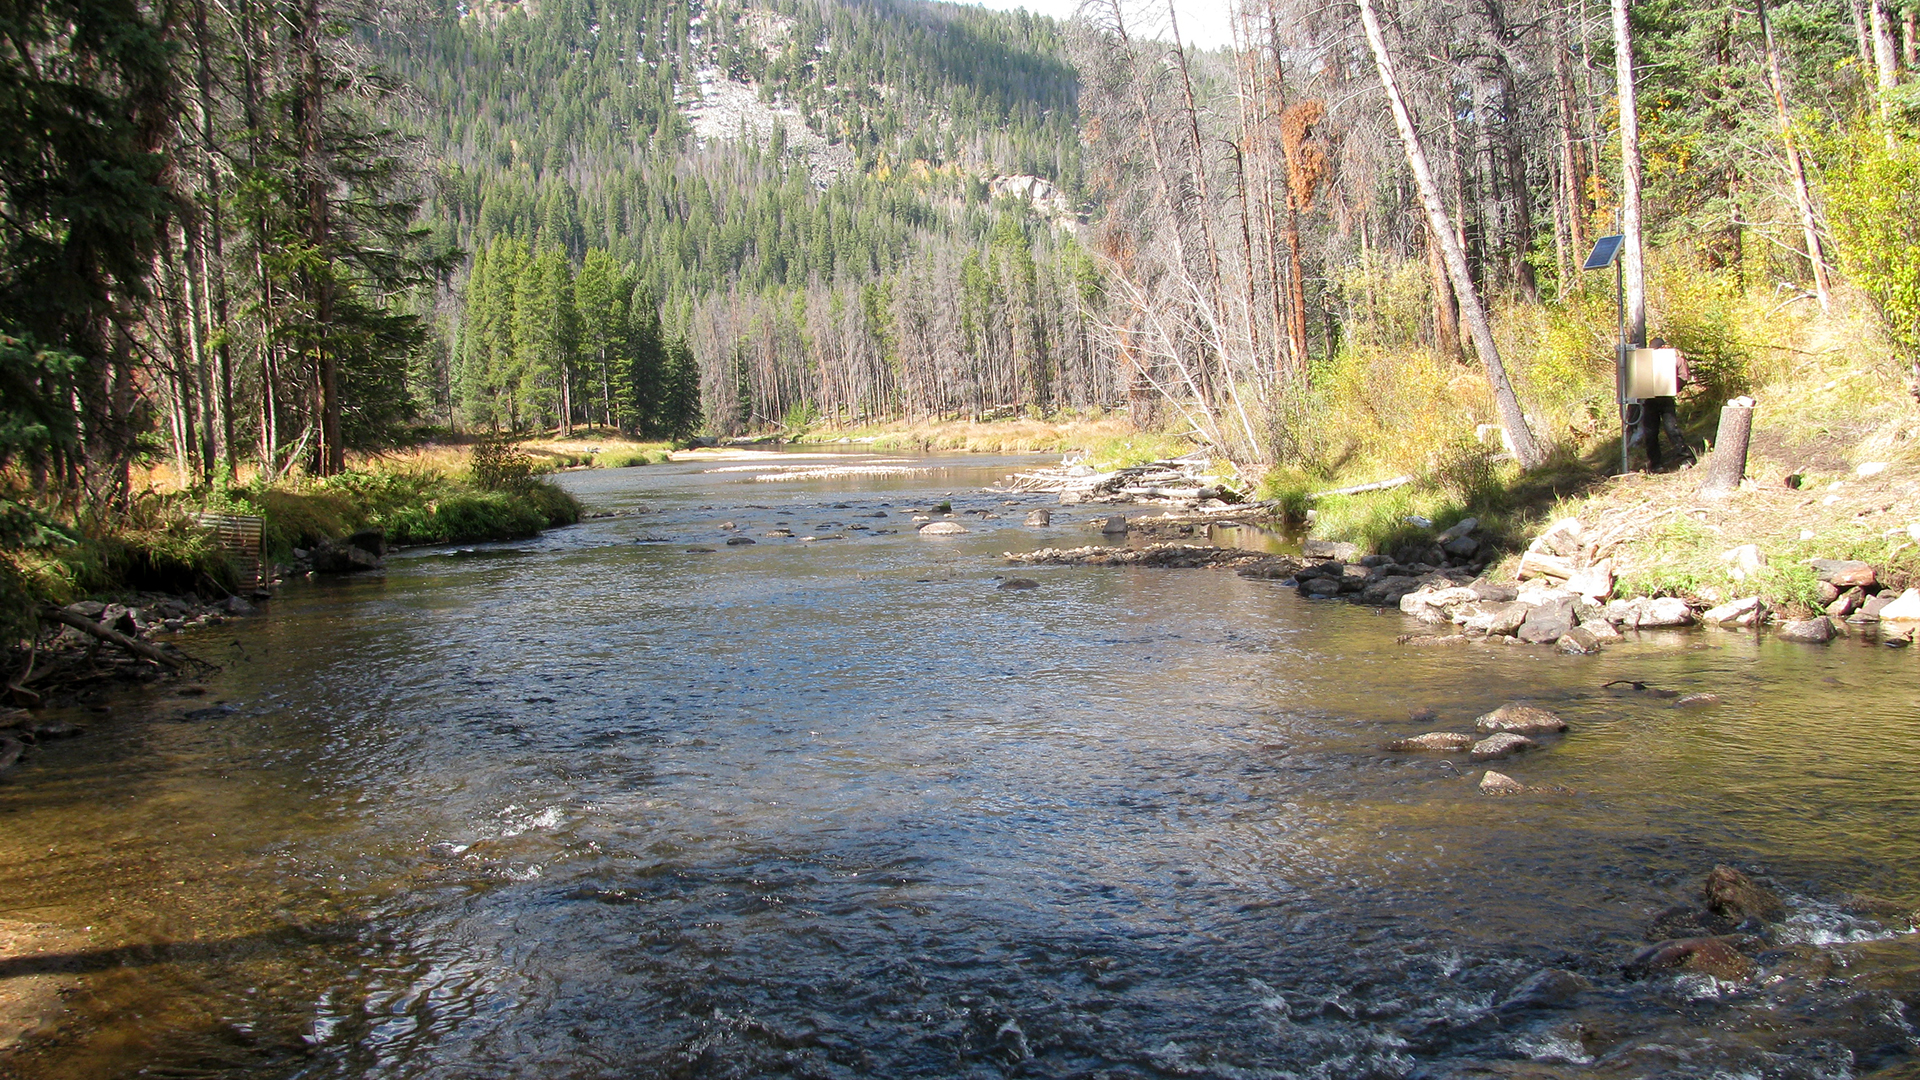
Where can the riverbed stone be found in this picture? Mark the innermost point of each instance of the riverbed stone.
(1448, 742)
(1602, 630)
(1548, 988)
(1696, 701)
(1115, 523)
(1039, 518)
(1663, 611)
(1715, 956)
(943, 528)
(92, 609)
(1500, 744)
(1740, 612)
(1461, 547)
(1578, 641)
(1434, 603)
(1733, 894)
(1520, 719)
(1320, 586)
(1684, 921)
(1499, 783)
(778, 533)
(1498, 592)
(739, 541)
(1904, 609)
(1806, 631)
(1846, 603)
(1491, 617)
(1019, 584)
(1547, 622)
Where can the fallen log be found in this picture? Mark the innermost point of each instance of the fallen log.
(1377, 485)
(133, 645)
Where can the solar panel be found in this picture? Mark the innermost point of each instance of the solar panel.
(1604, 251)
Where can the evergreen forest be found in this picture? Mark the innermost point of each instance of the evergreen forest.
(258, 236)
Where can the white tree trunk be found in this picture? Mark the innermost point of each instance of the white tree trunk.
(1632, 262)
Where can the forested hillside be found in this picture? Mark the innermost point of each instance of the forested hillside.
(802, 194)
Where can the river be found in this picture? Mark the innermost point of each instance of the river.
(599, 805)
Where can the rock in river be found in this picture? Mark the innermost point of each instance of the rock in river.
(1445, 741)
(1019, 583)
(1807, 631)
(1039, 518)
(1715, 956)
(942, 528)
(1498, 783)
(1738, 897)
(1519, 719)
(1501, 744)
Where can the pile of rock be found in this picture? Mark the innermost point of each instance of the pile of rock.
(1719, 937)
(1512, 728)
(1452, 558)
(364, 550)
(1177, 556)
(1849, 592)
(153, 613)
(1536, 613)
(1185, 483)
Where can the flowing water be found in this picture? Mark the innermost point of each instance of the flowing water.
(599, 805)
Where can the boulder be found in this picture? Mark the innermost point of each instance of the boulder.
(1807, 631)
(238, 605)
(1491, 618)
(1498, 783)
(740, 541)
(1449, 742)
(1740, 612)
(1520, 719)
(1549, 988)
(1734, 895)
(1744, 561)
(341, 558)
(1463, 527)
(1827, 591)
(1715, 956)
(1329, 549)
(1548, 622)
(1595, 581)
(1563, 538)
(945, 528)
(1666, 611)
(1847, 602)
(1435, 603)
(1019, 583)
(1320, 586)
(1601, 629)
(1844, 573)
(1578, 641)
(1497, 592)
(91, 609)
(1500, 744)
(1039, 518)
(1462, 547)
(1904, 609)
(1687, 921)
(1116, 523)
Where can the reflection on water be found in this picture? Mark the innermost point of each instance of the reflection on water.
(602, 807)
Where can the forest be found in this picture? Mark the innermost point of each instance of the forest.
(254, 237)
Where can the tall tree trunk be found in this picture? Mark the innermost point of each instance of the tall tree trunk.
(310, 104)
(214, 261)
(1573, 185)
(1802, 198)
(1632, 263)
(1512, 419)
(1885, 66)
(1446, 309)
(1862, 36)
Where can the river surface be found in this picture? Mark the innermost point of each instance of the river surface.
(599, 805)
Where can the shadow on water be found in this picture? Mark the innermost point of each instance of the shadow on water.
(848, 808)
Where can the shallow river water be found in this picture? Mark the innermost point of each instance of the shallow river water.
(598, 805)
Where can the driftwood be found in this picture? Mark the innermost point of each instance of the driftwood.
(1377, 485)
(133, 645)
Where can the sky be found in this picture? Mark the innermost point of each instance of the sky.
(1202, 22)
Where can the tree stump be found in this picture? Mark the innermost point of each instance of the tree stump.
(1728, 464)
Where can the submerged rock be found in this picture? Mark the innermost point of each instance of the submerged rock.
(1733, 894)
(1715, 956)
(1807, 631)
(1520, 719)
(1548, 988)
(1019, 583)
(1443, 741)
(1578, 641)
(1501, 744)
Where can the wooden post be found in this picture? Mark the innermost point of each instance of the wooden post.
(1728, 464)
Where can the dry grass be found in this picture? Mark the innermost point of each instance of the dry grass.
(1018, 436)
